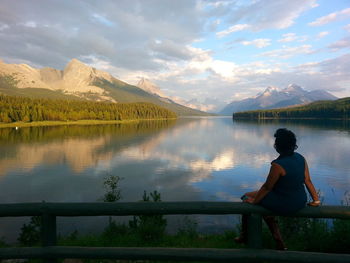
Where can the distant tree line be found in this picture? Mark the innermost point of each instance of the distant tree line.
(338, 109)
(13, 109)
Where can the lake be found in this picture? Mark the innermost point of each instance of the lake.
(189, 159)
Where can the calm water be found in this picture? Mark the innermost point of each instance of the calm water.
(189, 159)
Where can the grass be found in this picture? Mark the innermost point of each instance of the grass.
(134, 240)
(301, 234)
(56, 123)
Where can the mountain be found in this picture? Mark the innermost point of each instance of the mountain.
(81, 82)
(150, 87)
(273, 98)
(326, 109)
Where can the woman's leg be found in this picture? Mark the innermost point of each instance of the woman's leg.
(242, 238)
(275, 231)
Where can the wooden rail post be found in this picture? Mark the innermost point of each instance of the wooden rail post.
(254, 231)
(48, 233)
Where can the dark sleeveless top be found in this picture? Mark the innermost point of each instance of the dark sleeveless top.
(288, 194)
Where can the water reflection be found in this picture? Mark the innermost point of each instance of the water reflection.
(192, 159)
(79, 147)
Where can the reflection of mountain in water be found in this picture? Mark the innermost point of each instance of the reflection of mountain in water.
(79, 146)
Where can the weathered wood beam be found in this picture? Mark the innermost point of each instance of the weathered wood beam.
(254, 231)
(184, 254)
(48, 233)
(165, 208)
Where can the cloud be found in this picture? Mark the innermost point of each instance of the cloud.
(347, 27)
(288, 52)
(340, 44)
(259, 43)
(322, 34)
(268, 14)
(103, 20)
(331, 17)
(212, 27)
(232, 29)
(30, 24)
(290, 37)
(246, 80)
(168, 50)
(3, 26)
(50, 33)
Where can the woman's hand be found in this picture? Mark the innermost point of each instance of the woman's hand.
(249, 200)
(314, 203)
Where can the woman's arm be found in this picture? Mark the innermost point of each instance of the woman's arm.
(310, 187)
(275, 172)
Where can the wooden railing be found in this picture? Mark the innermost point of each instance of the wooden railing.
(49, 252)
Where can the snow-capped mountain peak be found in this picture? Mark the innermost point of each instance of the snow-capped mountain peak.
(294, 89)
(273, 97)
(270, 90)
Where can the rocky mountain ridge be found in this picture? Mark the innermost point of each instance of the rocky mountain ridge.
(75, 79)
(149, 87)
(80, 81)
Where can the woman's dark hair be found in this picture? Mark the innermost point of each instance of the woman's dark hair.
(285, 142)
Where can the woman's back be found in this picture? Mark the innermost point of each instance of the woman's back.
(288, 194)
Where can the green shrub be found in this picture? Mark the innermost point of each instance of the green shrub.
(150, 228)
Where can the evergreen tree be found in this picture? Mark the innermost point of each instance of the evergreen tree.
(13, 109)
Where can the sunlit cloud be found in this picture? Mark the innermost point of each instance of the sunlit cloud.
(331, 17)
(290, 37)
(288, 52)
(101, 19)
(340, 44)
(232, 29)
(3, 26)
(269, 14)
(347, 27)
(322, 34)
(259, 43)
(31, 24)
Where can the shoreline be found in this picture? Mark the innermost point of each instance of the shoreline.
(333, 119)
(79, 122)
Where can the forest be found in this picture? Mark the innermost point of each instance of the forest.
(22, 109)
(338, 109)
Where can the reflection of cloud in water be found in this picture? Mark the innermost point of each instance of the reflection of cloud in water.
(224, 160)
(227, 197)
(200, 147)
(251, 186)
(206, 149)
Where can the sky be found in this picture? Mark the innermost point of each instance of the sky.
(201, 50)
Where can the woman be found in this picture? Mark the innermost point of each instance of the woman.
(284, 191)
